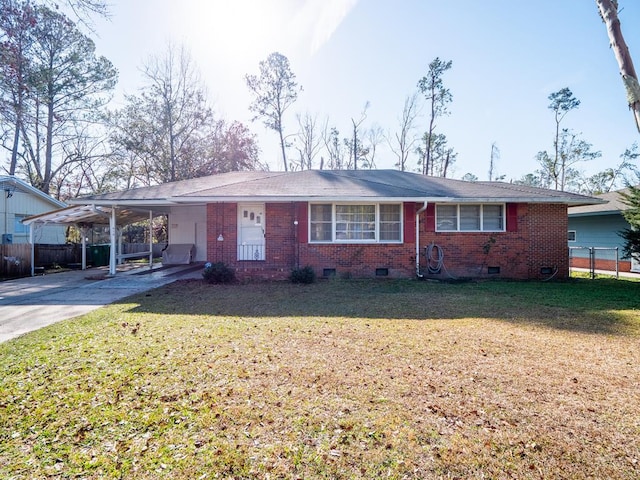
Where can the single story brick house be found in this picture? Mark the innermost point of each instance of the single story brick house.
(598, 227)
(361, 223)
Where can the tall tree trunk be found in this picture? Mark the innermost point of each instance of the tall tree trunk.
(427, 159)
(355, 145)
(48, 152)
(609, 14)
(284, 155)
(14, 149)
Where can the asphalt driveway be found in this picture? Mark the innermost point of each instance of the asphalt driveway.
(27, 304)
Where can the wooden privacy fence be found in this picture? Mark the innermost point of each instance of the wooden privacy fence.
(57, 255)
(15, 260)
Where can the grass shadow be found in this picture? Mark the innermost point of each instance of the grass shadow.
(603, 306)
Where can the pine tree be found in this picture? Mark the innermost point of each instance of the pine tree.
(631, 235)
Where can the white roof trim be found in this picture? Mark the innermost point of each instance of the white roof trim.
(17, 183)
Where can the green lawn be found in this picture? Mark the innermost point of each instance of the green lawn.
(338, 379)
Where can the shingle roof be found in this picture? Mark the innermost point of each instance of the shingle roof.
(346, 185)
(614, 204)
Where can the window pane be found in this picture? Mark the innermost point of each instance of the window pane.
(320, 223)
(18, 226)
(492, 217)
(447, 217)
(321, 232)
(469, 217)
(320, 213)
(355, 222)
(390, 222)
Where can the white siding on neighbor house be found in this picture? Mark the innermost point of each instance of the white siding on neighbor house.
(189, 225)
(598, 231)
(23, 204)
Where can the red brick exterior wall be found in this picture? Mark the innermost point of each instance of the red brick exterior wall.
(601, 264)
(534, 244)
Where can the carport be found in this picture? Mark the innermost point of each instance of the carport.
(84, 217)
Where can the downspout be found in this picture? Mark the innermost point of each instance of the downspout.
(424, 207)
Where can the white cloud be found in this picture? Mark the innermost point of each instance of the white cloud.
(321, 18)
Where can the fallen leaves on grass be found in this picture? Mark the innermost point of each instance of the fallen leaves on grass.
(132, 391)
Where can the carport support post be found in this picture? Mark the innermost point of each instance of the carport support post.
(150, 238)
(83, 233)
(120, 247)
(33, 252)
(112, 250)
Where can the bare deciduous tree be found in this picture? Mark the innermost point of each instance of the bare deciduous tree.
(404, 140)
(308, 140)
(169, 125)
(334, 148)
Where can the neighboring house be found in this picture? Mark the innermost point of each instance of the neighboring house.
(599, 226)
(19, 201)
(360, 223)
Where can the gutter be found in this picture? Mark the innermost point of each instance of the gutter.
(424, 207)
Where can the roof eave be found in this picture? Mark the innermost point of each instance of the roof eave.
(374, 198)
(127, 203)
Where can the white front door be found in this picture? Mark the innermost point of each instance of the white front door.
(251, 231)
(635, 265)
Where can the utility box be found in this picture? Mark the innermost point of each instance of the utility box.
(7, 238)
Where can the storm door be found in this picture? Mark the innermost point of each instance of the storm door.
(251, 231)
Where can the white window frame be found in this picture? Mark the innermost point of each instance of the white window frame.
(356, 241)
(481, 205)
(575, 236)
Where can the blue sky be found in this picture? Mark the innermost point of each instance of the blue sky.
(507, 55)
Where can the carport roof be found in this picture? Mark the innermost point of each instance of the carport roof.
(89, 215)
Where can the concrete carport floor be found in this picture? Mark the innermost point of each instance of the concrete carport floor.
(27, 304)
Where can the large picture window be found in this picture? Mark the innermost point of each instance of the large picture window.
(470, 218)
(355, 223)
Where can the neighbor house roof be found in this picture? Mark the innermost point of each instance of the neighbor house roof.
(10, 184)
(331, 185)
(612, 203)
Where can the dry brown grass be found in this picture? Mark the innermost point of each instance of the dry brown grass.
(387, 380)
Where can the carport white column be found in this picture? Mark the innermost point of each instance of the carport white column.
(83, 233)
(33, 252)
(150, 238)
(113, 237)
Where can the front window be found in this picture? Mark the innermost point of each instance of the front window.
(470, 218)
(571, 235)
(355, 223)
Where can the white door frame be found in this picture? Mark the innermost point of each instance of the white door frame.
(251, 231)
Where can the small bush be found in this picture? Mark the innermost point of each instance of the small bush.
(303, 275)
(218, 273)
